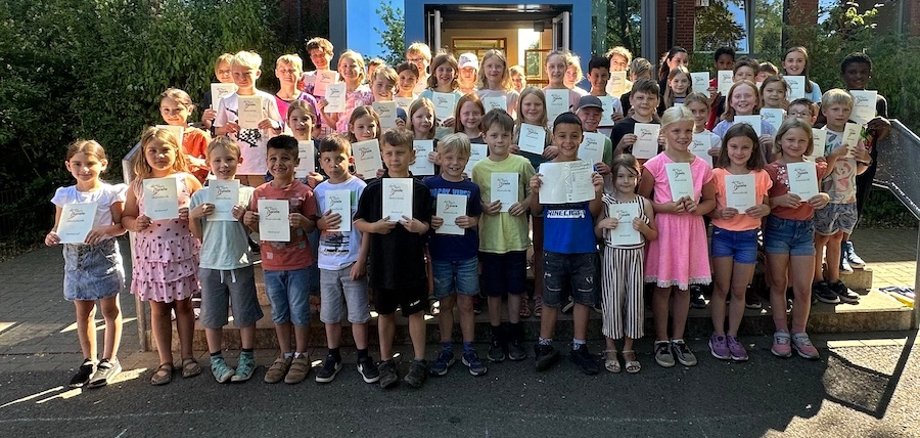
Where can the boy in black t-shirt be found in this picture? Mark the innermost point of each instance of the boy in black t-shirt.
(397, 257)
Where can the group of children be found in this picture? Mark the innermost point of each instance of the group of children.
(486, 186)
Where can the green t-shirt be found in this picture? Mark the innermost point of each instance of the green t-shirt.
(502, 232)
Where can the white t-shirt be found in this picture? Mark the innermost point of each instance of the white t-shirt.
(224, 244)
(339, 249)
(104, 197)
(253, 153)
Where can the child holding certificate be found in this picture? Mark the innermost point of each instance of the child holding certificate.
(774, 90)
(679, 257)
(454, 246)
(569, 245)
(679, 85)
(559, 97)
(503, 234)
(384, 82)
(301, 122)
(496, 84)
(789, 238)
(408, 79)
(643, 100)
(283, 223)
(364, 125)
(342, 260)
(224, 82)
(626, 222)
(175, 107)
(288, 70)
(165, 251)
(698, 104)
(469, 114)
(87, 219)
(795, 63)
(397, 271)
(744, 100)
(443, 87)
(225, 267)
(741, 202)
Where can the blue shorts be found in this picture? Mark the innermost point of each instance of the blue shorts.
(503, 273)
(834, 218)
(287, 292)
(741, 245)
(460, 277)
(576, 270)
(789, 236)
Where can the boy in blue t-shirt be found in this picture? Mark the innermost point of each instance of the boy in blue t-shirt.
(570, 250)
(453, 247)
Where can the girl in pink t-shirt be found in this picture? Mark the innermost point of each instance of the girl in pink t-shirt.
(741, 202)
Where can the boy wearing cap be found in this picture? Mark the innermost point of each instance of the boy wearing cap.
(589, 111)
(469, 71)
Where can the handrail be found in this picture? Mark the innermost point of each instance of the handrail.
(127, 171)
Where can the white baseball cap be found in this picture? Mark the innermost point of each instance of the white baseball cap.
(468, 59)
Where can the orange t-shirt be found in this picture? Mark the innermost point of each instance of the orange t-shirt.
(741, 222)
(195, 144)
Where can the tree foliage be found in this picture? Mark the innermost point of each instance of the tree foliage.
(393, 34)
(623, 25)
(716, 27)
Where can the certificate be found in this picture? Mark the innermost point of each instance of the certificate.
(335, 98)
(250, 112)
(339, 201)
(306, 153)
(224, 194)
(863, 105)
(404, 102)
(819, 138)
(699, 81)
(796, 86)
(773, 117)
(495, 102)
(422, 166)
(803, 179)
(680, 180)
(740, 192)
(161, 198)
(701, 145)
(449, 208)
(478, 153)
(591, 148)
(725, 80)
(274, 220)
(387, 113)
(444, 104)
(76, 222)
(646, 146)
(754, 122)
(504, 188)
(557, 102)
(367, 158)
(324, 78)
(566, 182)
(178, 131)
(607, 102)
(397, 198)
(851, 135)
(532, 138)
(624, 234)
(617, 82)
(219, 91)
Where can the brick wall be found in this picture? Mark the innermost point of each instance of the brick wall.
(684, 19)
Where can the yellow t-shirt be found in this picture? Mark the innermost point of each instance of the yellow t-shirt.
(502, 233)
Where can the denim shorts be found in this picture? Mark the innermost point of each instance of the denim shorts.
(503, 273)
(836, 217)
(460, 277)
(578, 270)
(287, 292)
(741, 245)
(339, 292)
(234, 288)
(789, 236)
(92, 272)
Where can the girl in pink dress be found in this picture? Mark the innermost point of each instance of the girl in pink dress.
(679, 257)
(165, 268)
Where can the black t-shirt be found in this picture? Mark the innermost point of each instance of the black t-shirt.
(625, 126)
(397, 259)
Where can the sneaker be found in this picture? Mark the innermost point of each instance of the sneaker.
(442, 363)
(663, 355)
(299, 370)
(545, 356)
(581, 357)
(418, 372)
(849, 253)
(781, 347)
(718, 347)
(329, 370)
(844, 293)
(278, 370)
(845, 266)
(368, 370)
(516, 351)
(388, 377)
(105, 371)
(804, 347)
(568, 306)
(477, 304)
(245, 366)
(697, 301)
(682, 353)
(83, 374)
(220, 370)
(822, 291)
(471, 360)
(496, 349)
(751, 300)
(738, 353)
(790, 299)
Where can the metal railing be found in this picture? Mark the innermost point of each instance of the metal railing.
(127, 171)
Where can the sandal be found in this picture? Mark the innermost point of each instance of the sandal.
(632, 364)
(538, 307)
(190, 368)
(162, 375)
(525, 307)
(611, 363)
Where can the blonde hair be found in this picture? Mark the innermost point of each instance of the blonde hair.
(417, 104)
(458, 143)
(676, 114)
(729, 113)
(388, 74)
(575, 61)
(224, 57)
(179, 96)
(356, 58)
(292, 60)
(248, 59)
(793, 124)
(697, 97)
(505, 83)
(668, 93)
(640, 66)
(620, 51)
(443, 58)
(836, 96)
(153, 135)
(88, 147)
(225, 143)
(520, 108)
(420, 49)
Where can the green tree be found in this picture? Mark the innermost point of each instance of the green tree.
(393, 34)
(716, 27)
(623, 25)
(768, 29)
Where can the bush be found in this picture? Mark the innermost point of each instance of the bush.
(94, 69)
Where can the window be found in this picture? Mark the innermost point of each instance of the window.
(722, 23)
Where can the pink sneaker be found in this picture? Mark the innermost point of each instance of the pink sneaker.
(804, 347)
(781, 345)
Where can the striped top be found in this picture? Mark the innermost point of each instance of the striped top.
(611, 200)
